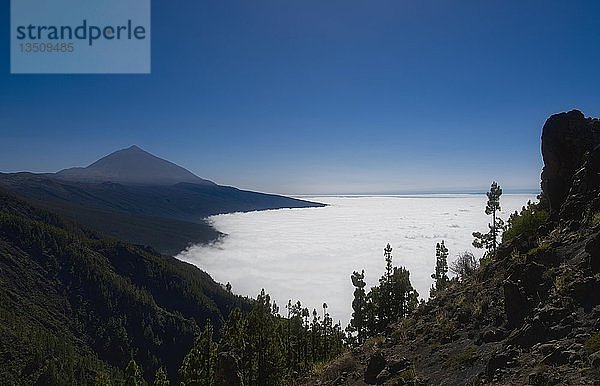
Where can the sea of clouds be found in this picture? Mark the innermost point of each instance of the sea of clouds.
(309, 254)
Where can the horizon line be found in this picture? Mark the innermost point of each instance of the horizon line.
(420, 192)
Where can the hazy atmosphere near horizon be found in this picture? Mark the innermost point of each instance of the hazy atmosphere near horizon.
(322, 97)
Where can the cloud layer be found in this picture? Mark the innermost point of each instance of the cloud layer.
(309, 254)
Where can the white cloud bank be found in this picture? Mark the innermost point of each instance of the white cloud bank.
(309, 254)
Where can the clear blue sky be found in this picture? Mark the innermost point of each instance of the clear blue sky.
(323, 96)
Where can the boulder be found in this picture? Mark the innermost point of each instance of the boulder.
(375, 366)
(557, 357)
(516, 304)
(552, 315)
(491, 335)
(566, 137)
(530, 334)
(594, 360)
(546, 348)
(538, 379)
(396, 365)
(500, 361)
(383, 376)
(593, 249)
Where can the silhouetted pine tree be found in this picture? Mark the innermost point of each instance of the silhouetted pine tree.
(133, 375)
(385, 288)
(489, 240)
(393, 299)
(405, 297)
(441, 268)
(160, 378)
(359, 307)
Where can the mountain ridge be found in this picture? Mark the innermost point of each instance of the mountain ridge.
(167, 214)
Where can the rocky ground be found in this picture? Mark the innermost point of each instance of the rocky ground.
(530, 316)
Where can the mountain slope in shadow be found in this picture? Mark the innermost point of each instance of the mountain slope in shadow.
(75, 304)
(133, 195)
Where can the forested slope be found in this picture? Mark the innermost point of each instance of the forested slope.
(75, 306)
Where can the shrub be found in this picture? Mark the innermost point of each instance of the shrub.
(485, 261)
(596, 219)
(461, 359)
(540, 248)
(328, 370)
(593, 343)
(464, 266)
(525, 223)
(403, 377)
(563, 279)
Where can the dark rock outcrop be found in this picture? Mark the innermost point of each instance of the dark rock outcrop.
(375, 366)
(516, 303)
(566, 138)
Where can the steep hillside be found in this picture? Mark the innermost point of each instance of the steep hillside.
(529, 315)
(74, 305)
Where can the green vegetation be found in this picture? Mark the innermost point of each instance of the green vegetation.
(271, 349)
(596, 219)
(540, 248)
(441, 268)
(75, 307)
(198, 367)
(133, 374)
(464, 266)
(403, 377)
(525, 223)
(461, 359)
(593, 343)
(489, 240)
(161, 379)
(562, 280)
(394, 299)
(358, 321)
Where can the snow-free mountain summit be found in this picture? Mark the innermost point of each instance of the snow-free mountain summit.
(132, 166)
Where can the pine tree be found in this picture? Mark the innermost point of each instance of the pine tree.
(271, 349)
(489, 240)
(198, 366)
(133, 374)
(102, 379)
(405, 297)
(387, 253)
(441, 267)
(385, 286)
(393, 299)
(359, 305)
(326, 336)
(373, 311)
(160, 379)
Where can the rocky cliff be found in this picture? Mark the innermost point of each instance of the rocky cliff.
(530, 315)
